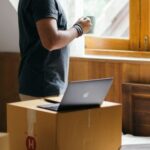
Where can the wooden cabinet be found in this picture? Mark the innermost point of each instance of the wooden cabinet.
(136, 109)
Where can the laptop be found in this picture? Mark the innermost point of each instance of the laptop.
(81, 95)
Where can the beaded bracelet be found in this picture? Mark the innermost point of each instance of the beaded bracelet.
(79, 29)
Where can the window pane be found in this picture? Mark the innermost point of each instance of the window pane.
(14, 3)
(111, 17)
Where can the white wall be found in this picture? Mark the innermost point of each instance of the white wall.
(8, 27)
(9, 36)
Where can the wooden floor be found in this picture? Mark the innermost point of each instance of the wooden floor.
(136, 147)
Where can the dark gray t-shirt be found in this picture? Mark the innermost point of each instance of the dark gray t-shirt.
(42, 73)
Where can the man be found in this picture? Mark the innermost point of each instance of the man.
(43, 44)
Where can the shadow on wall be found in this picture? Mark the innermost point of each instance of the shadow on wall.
(8, 28)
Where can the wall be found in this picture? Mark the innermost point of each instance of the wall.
(80, 69)
(8, 27)
(121, 71)
(9, 63)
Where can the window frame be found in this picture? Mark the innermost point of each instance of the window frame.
(139, 32)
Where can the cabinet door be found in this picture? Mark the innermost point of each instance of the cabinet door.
(136, 109)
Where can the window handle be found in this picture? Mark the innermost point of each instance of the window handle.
(146, 42)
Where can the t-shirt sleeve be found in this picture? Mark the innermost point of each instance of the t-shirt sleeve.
(43, 9)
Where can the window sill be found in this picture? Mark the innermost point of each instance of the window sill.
(117, 56)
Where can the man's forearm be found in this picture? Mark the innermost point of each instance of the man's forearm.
(63, 38)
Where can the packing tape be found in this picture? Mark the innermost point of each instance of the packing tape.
(31, 120)
(89, 118)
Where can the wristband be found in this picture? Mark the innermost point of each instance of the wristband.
(79, 29)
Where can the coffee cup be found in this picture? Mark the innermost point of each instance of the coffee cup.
(92, 18)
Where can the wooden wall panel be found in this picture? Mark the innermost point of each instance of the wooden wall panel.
(9, 63)
(122, 72)
(104, 70)
(137, 72)
(80, 69)
(96, 69)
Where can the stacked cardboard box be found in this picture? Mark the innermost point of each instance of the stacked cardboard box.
(32, 128)
(4, 141)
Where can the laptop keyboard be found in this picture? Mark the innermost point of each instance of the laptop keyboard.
(50, 106)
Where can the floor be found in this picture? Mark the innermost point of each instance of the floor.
(130, 142)
(136, 147)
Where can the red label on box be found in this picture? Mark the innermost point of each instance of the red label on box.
(31, 143)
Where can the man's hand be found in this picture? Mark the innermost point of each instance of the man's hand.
(85, 23)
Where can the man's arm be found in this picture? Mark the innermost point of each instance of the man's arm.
(52, 38)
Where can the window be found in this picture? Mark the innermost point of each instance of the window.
(121, 25)
(111, 17)
(14, 3)
(128, 30)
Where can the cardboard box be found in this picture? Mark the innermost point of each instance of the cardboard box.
(32, 128)
(4, 141)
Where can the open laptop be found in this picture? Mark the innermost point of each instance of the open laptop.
(82, 94)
